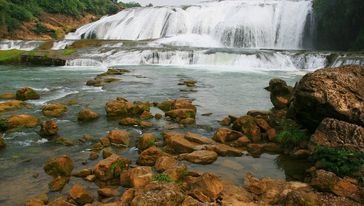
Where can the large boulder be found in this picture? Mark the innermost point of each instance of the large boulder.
(338, 134)
(179, 143)
(26, 94)
(54, 110)
(330, 92)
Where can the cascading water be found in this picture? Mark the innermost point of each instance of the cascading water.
(230, 23)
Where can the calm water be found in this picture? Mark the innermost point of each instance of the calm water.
(218, 92)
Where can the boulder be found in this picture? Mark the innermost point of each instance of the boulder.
(176, 173)
(61, 201)
(226, 135)
(119, 137)
(197, 138)
(280, 93)
(34, 202)
(149, 156)
(200, 157)
(87, 115)
(118, 107)
(49, 129)
(330, 92)
(58, 183)
(207, 188)
(22, 120)
(178, 142)
(338, 134)
(83, 173)
(80, 195)
(146, 140)
(128, 121)
(107, 192)
(247, 125)
(165, 162)
(26, 94)
(54, 110)
(140, 176)
(59, 166)
(225, 150)
(145, 124)
(111, 167)
(11, 105)
(146, 115)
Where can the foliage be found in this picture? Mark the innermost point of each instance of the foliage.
(291, 135)
(130, 4)
(339, 24)
(342, 162)
(10, 55)
(117, 167)
(162, 178)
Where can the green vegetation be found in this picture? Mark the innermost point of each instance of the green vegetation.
(14, 12)
(68, 52)
(342, 162)
(291, 135)
(117, 167)
(339, 24)
(10, 56)
(129, 4)
(162, 178)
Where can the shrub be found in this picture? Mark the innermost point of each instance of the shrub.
(342, 162)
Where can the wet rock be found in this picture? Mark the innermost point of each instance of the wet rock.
(140, 176)
(49, 129)
(338, 134)
(80, 195)
(255, 149)
(111, 167)
(59, 166)
(197, 138)
(119, 137)
(189, 82)
(165, 162)
(128, 121)
(107, 192)
(226, 121)
(165, 194)
(207, 188)
(180, 114)
(236, 195)
(107, 152)
(146, 115)
(176, 173)
(90, 178)
(95, 82)
(22, 120)
(200, 157)
(127, 197)
(262, 123)
(301, 154)
(113, 71)
(187, 121)
(86, 115)
(2, 142)
(226, 135)
(166, 105)
(11, 105)
(93, 155)
(149, 156)
(145, 124)
(26, 94)
(61, 201)
(83, 173)
(140, 107)
(105, 141)
(64, 141)
(242, 141)
(54, 110)
(118, 107)
(158, 116)
(330, 92)
(280, 93)
(7, 95)
(271, 134)
(248, 126)
(58, 183)
(34, 202)
(190, 201)
(146, 140)
(225, 150)
(178, 142)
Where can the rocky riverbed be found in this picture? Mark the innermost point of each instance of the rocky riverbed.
(175, 147)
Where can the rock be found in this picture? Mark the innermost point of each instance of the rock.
(200, 157)
(180, 114)
(86, 115)
(226, 121)
(119, 137)
(58, 183)
(190, 201)
(272, 134)
(111, 167)
(119, 107)
(193, 137)
(207, 188)
(140, 107)
(226, 135)
(22, 120)
(93, 155)
(59, 166)
(95, 82)
(165, 194)
(83, 173)
(178, 142)
(262, 123)
(330, 92)
(248, 126)
(105, 141)
(140, 176)
(187, 121)
(127, 197)
(146, 140)
(34, 202)
(80, 195)
(11, 105)
(26, 94)
(64, 141)
(113, 71)
(61, 201)
(7, 95)
(107, 152)
(166, 105)
(338, 134)
(165, 162)
(107, 192)
(176, 173)
(128, 121)
(145, 124)
(49, 129)
(280, 93)
(54, 110)
(146, 115)
(225, 150)
(255, 149)
(90, 178)
(158, 116)
(190, 82)
(242, 141)
(149, 156)
(2, 142)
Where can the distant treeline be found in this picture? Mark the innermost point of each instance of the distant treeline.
(340, 24)
(14, 12)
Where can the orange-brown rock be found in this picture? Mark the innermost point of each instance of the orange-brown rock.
(26, 94)
(107, 192)
(178, 142)
(59, 166)
(128, 121)
(165, 162)
(58, 183)
(225, 150)
(54, 110)
(140, 176)
(111, 167)
(146, 115)
(61, 201)
(145, 124)
(86, 115)
(200, 157)
(119, 107)
(10, 105)
(207, 188)
(7, 95)
(193, 137)
(49, 129)
(180, 114)
(22, 120)
(80, 195)
(226, 135)
(247, 125)
(149, 156)
(146, 140)
(119, 137)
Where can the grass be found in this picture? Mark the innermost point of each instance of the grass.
(7, 56)
(162, 178)
(290, 135)
(342, 162)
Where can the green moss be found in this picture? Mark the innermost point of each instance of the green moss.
(290, 135)
(10, 56)
(162, 178)
(342, 162)
(68, 52)
(117, 167)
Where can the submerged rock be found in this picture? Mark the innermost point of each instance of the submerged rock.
(128, 121)
(54, 110)
(11, 105)
(200, 157)
(87, 115)
(59, 166)
(26, 94)
(330, 92)
(58, 183)
(49, 129)
(7, 95)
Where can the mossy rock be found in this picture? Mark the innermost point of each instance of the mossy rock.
(27, 94)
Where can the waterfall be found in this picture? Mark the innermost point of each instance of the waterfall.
(229, 23)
